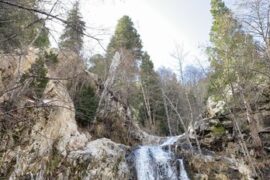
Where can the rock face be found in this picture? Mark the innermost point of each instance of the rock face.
(215, 107)
(219, 168)
(47, 143)
(216, 133)
(217, 125)
(103, 159)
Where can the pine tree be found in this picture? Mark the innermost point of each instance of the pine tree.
(126, 37)
(72, 38)
(223, 33)
(233, 54)
(19, 28)
(127, 42)
(152, 96)
(98, 66)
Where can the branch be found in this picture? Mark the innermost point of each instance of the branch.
(32, 10)
(48, 15)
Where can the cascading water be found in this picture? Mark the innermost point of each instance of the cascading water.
(156, 163)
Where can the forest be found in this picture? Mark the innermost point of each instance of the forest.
(58, 103)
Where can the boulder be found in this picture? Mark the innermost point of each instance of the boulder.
(214, 107)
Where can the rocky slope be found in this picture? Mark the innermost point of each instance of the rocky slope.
(225, 149)
(40, 137)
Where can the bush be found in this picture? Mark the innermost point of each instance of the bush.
(50, 58)
(218, 130)
(86, 104)
(37, 76)
(43, 39)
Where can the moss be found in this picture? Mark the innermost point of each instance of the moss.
(218, 130)
(78, 171)
(53, 164)
(116, 167)
(54, 161)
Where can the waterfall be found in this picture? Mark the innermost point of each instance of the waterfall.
(183, 172)
(156, 163)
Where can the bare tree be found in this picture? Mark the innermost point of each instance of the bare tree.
(255, 15)
(180, 56)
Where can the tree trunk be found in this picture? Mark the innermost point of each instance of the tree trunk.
(182, 122)
(147, 106)
(254, 132)
(192, 120)
(167, 112)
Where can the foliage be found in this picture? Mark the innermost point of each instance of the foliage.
(232, 52)
(125, 37)
(43, 39)
(218, 130)
(18, 27)
(51, 58)
(235, 62)
(127, 42)
(152, 94)
(37, 76)
(99, 66)
(86, 104)
(72, 38)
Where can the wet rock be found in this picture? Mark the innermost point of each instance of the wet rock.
(106, 159)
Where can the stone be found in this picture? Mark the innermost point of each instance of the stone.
(200, 177)
(215, 108)
(221, 177)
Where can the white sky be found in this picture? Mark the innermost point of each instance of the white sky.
(161, 24)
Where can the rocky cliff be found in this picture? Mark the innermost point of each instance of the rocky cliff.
(40, 137)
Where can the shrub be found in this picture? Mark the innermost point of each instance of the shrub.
(50, 58)
(86, 104)
(218, 130)
(43, 39)
(37, 76)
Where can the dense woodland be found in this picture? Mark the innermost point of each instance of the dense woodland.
(163, 102)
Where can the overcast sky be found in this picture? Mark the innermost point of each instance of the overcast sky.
(161, 24)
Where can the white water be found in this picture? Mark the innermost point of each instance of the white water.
(183, 172)
(155, 163)
(171, 140)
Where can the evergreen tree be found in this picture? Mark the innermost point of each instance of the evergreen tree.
(127, 42)
(72, 38)
(223, 34)
(37, 76)
(86, 104)
(126, 37)
(43, 39)
(19, 28)
(233, 55)
(98, 66)
(152, 96)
